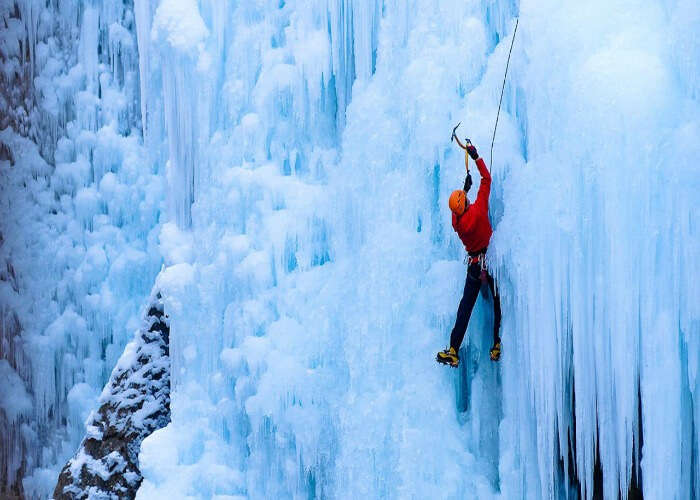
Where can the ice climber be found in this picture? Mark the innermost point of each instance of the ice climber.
(471, 222)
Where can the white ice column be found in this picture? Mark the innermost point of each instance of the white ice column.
(180, 32)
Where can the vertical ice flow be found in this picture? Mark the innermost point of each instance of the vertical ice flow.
(310, 269)
(78, 252)
(340, 159)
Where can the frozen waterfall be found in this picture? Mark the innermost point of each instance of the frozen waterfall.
(279, 171)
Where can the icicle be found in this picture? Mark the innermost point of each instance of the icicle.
(142, 16)
(181, 32)
(87, 54)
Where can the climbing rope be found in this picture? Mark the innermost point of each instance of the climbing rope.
(517, 20)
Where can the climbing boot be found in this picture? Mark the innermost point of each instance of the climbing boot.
(495, 351)
(448, 357)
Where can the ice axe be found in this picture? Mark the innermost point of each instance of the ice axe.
(468, 142)
(453, 132)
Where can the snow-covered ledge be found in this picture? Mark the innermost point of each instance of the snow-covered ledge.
(134, 403)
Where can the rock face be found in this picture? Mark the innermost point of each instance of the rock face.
(134, 403)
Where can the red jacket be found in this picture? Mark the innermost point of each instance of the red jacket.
(473, 226)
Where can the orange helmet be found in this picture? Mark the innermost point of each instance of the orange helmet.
(458, 202)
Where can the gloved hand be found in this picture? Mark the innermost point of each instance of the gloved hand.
(471, 149)
(468, 182)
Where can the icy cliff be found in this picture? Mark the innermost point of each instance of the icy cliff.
(316, 275)
(79, 202)
(289, 162)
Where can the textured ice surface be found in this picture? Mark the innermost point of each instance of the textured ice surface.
(320, 274)
(78, 202)
(311, 271)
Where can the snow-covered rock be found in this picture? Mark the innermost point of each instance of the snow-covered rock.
(134, 403)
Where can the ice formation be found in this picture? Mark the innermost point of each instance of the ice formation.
(79, 204)
(289, 164)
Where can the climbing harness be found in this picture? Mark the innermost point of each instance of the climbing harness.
(493, 138)
(477, 259)
(480, 259)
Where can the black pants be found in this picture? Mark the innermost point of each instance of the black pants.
(471, 292)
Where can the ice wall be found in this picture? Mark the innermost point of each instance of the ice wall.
(315, 274)
(79, 201)
(598, 244)
(289, 352)
(311, 272)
